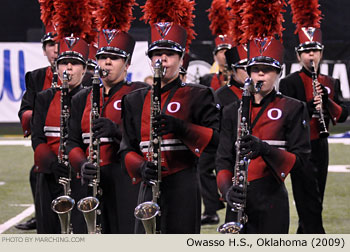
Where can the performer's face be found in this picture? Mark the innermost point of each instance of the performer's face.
(220, 58)
(267, 74)
(51, 51)
(74, 68)
(171, 61)
(306, 56)
(115, 65)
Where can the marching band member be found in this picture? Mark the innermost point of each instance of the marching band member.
(188, 122)
(309, 184)
(218, 15)
(276, 139)
(36, 81)
(115, 48)
(73, 53)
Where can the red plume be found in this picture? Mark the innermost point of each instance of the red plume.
(262, 19)
(115, 14)
(177, 11)
(187, 22)
(156, 11)
(236, 15)
(305, 13)
(72, 17)
(93, 7)
(47, 11)
(219, 18)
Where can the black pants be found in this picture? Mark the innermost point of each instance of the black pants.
(32, 181)
(267, 208)
(208, 185)
(118, 200)
(319, 161)
(308, 185)
(180, 203)
(47, 190)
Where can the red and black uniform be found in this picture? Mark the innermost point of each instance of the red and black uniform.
(281, 122)
(212, 80)
(308, 193)
(117, 206)
(194, 104)
(229, 93)
(45, 143)
(36, 81)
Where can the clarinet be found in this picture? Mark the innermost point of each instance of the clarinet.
(149, 210)
(63, 205)
(88, 205)
(240, 174)
(54, 83)
(323, 128)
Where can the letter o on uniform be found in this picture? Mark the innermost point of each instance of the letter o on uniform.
(173, 107)
(274, 113)
(117, 105)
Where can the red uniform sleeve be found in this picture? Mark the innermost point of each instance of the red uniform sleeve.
(280, 161)
(224, 180)
(77, 158)
(335, 110)
(25, 121)
(44, 157)
(133, 162)
(196, 138)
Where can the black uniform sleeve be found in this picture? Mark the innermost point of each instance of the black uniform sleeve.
(43, 155)
(75, 145)
(129, 146)
(27, 103)
(225, 155)
(202, 131)
(297, 136)
(337, 108)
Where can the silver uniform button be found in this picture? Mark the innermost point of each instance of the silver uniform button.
(196, 150)
(283, 175)
(133, 179)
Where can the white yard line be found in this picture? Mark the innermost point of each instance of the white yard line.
(13, 221)
(16, 142)
(339, 168)
(339, 140)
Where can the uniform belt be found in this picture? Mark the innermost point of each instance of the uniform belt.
(86, 139)
(51, 131)
(277, 143)
(167, 145)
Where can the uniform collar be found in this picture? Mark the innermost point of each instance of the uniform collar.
(268, 98)
(308, 73)
(114, 89)
(235, 83)
(174, 83)
(75, 90)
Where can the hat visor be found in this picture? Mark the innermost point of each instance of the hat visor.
(164, 45)
(309, 46)
(263, 60)
(112, 51)
(221, 47)
(71, 55)
(241, 64)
